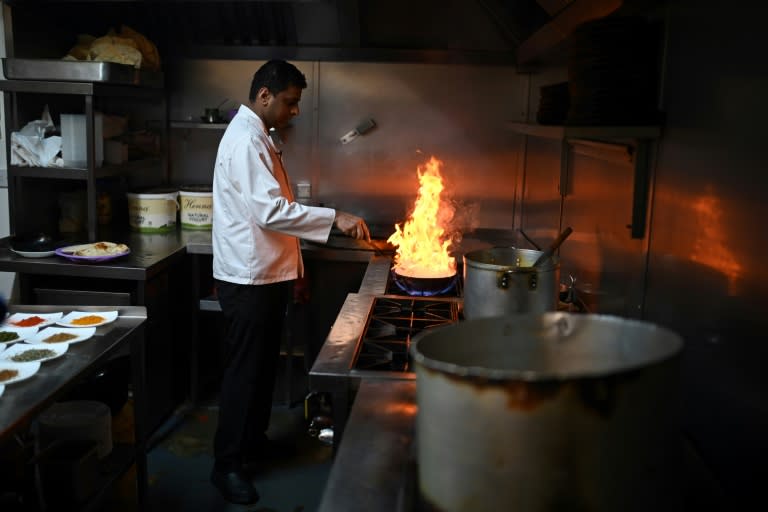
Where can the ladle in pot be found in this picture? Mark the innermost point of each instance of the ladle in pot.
(544, 256)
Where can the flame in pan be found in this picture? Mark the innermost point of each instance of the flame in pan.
(422, 241)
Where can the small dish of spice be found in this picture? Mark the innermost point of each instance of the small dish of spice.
(51, 336)
(23, 353)
(38, 320)
(15, 372)
(10, 334)
(87, 318)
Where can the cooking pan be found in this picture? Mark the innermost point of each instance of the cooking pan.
(424, 286)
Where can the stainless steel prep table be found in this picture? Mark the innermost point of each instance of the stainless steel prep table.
(153, 276)
(23, 401)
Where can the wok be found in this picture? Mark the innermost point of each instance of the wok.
(424, 286)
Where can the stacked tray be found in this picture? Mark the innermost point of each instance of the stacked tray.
(58, 70)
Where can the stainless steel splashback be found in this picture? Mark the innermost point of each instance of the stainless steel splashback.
(455, 113)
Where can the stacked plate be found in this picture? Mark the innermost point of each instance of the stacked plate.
(613, 72)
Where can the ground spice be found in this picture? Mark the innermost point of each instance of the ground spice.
(8, 374)
(8, 336)
(33, 355)
(88, 320)
(30, 321)
(59, 337)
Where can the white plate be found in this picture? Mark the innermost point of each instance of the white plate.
(23, 332)
(108, 316)
(26, 370)
(36, 254)
(50, 318)
(58, 348)
(82, 333)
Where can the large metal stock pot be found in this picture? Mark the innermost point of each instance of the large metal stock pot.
(502, 280)
(551, 411)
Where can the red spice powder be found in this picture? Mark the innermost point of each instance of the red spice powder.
(30, 321)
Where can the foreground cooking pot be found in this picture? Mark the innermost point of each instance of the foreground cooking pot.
(551, 411)
(502, 280)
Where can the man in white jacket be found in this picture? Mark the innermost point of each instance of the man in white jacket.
(256, 258)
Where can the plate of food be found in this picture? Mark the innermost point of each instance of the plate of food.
(37, 320)
(16, 372)
(10, 334)
(23, 353)
(55, 335)
(95, 252)
(87, 318)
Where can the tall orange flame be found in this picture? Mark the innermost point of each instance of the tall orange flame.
(423, 243)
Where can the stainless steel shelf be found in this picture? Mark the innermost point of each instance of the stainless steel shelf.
(80, 88)
(585, 132)
(199, 125)
(635, 152)
(75, 173)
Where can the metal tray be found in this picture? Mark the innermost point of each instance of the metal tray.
(78, 71)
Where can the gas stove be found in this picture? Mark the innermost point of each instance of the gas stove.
(392, 323)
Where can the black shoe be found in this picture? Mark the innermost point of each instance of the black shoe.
(235, 486)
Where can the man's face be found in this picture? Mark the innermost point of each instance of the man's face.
(283, 107)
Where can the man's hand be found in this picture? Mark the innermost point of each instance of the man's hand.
(352, 225)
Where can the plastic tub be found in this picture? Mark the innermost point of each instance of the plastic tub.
(196, 207)
(153, 211)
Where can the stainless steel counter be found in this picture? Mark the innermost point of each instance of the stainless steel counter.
(153, 252)
(370, 471)
(150, 255)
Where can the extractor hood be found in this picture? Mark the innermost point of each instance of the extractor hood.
(440, 31)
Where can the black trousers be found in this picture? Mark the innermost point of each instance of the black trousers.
(253, 316)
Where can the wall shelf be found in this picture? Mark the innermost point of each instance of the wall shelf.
(198, 125)
(636, 154)
(585, 132)
(75, 173)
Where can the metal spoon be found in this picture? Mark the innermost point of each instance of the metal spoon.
(544, 256)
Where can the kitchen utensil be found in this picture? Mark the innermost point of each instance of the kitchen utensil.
(502, 280)
(547, 254)
(529, 240)
(551, 411)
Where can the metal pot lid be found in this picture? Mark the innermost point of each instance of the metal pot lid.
(544, 346)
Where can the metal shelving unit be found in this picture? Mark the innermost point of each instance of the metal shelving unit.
(14, 90)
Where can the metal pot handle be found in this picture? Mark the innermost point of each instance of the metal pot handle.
(506, 277)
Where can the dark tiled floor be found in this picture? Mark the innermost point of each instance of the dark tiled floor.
(180, 461)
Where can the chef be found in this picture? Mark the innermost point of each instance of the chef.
(256, 258)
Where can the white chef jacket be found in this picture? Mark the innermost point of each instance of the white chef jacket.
(256, 222)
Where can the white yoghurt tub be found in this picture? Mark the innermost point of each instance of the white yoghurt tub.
(153, 211)
(196, 207)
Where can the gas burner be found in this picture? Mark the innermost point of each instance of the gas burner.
(391, 325)
(411, 308)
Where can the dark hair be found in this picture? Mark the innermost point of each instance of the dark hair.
(276, 76)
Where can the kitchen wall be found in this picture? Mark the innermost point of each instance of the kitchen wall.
(457, 113)
(699, 269)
